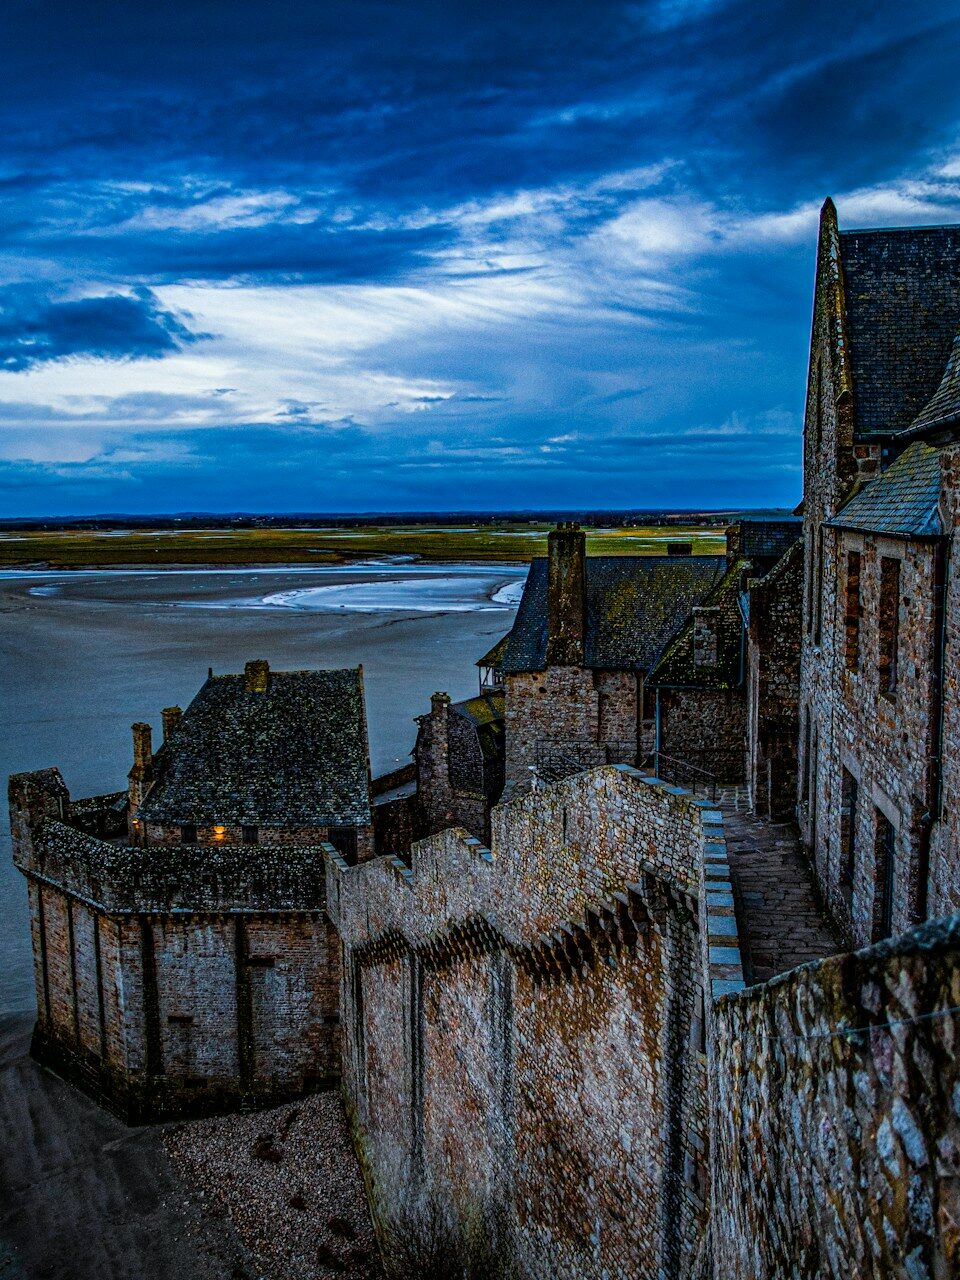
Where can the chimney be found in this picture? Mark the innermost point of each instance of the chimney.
(734, 542)
(142, 745)
(256, 676)
(171, 718)
(140, 779)
(566, 596)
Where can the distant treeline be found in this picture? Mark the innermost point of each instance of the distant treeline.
(326, 520)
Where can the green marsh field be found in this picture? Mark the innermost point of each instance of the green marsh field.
(85, 548)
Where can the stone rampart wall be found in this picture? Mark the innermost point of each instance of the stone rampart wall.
(129, 878)
(837, 1138)
(524, 1029)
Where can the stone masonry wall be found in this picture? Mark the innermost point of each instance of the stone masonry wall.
(945, 844)
(837, 1138)
(705, 728)
(885, 744)
(176, 980)
(521, 1029)
(450, 772)
(569, 715)
(773, 686)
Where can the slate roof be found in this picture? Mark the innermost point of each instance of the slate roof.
(676, 668)
(943, 409)
(634, 606)
(904, 501)
(486, 714)
(902, 296)
(494, 657)
(768, 539)
(295, 755)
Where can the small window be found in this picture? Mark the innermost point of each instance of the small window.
(188, 833)
(807, 748)
(889, 626)
(848, 829)
(884, 887)
(852, 618)
(251, 835)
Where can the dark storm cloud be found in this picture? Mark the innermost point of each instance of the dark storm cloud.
(541, 238)
(34, 329)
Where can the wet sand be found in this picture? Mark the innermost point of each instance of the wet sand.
(82, 1197)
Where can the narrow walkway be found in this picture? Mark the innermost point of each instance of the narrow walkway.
(782, 924)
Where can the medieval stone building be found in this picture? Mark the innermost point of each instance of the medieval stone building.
(699, 681)
(184, 959)
(879, 647)
(459, 757)
(587, 631)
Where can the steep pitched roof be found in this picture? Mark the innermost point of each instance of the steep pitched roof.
(481, 710)
(943, 408)
(494, 657)
(767, 540)
(295, 755)
(634, 606)
(902, 294)
(677, 667)
(904, 501)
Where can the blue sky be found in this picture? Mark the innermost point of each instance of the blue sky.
(382, 256)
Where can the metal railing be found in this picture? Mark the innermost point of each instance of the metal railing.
(555, 759)
(684, 774)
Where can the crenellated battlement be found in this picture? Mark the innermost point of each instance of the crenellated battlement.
(538, 1009)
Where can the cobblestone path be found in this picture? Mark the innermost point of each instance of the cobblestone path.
(782, 924)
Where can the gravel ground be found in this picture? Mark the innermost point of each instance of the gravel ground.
(289, 1184)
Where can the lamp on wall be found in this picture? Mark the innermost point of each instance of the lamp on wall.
(219, 832)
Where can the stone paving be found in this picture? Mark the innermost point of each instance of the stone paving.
(782, 922)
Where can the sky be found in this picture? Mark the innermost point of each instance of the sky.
(330, 256)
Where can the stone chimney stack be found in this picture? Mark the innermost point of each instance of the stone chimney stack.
(256, 676)
(566, 596)
(734, 542)
(171, 718)
(433, 765)
(140, 778)
(142, 746)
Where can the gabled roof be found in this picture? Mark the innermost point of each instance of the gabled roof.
(904, 501)
(767, 540)
(481, 710)
(634, 606)
(943, 409)
(294, 755)
(902, 312)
